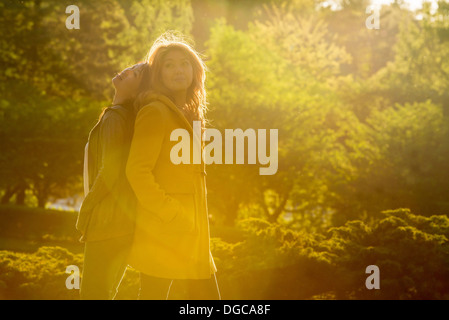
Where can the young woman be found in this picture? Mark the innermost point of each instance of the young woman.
(171, 240)
(107, 215)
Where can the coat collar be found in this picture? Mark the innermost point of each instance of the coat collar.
(169, 103)
(173, 107)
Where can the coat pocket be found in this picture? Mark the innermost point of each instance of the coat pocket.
(182, 211)
(185, 220)
(183, 191)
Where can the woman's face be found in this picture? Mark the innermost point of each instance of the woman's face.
(127, 82)
(177, 71)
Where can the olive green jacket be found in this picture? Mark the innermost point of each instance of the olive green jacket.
(108, 209)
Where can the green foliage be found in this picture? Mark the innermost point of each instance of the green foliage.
(278, 263)
(403, 130)
(40, 275)
(419, 69)
(303, 40)
(370, 49)
(275, 262)
(319, 76)
(401, 164)
(150, 18)
(56, 81)
(288, 90)
(411, 252)
(45, 155)
(363, 128)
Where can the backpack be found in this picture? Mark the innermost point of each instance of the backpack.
(93, 145)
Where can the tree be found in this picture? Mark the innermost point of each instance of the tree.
(420, 69)
(56, 81)
(288, 85)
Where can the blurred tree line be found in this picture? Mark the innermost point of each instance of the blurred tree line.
(362, 114)
(56, 81)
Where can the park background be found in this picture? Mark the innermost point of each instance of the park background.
(363, 120)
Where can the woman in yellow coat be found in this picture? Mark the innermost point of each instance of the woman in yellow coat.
(171, 240)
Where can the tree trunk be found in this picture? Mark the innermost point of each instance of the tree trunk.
(8, 194)
(272, 218)
(41, 191)
(41, 200)
(20, 196)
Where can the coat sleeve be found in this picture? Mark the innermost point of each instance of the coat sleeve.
(112, 136)
(149, 134)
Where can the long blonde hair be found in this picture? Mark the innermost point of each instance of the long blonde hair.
(196, 103)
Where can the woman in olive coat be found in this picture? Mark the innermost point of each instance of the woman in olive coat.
(171, 240)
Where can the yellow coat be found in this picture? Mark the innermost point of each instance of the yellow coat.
(172, 225)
